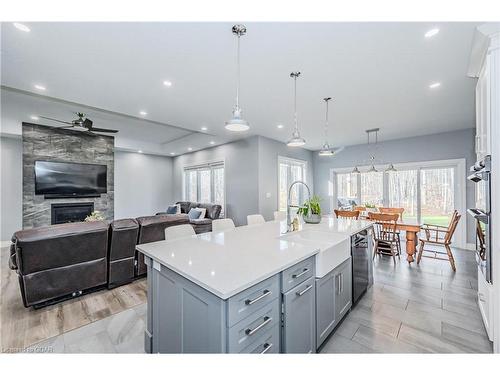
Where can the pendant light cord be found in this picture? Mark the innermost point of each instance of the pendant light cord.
(295, 102)
(238, 75)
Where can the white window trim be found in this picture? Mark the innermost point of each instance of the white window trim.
(286, 159)
(210, 164)
(460, 184)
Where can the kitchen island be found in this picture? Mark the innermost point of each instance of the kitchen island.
(251, 289)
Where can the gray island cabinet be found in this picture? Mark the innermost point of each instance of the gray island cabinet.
(275, 315)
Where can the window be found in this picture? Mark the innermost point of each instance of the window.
(372, 188)
(347, 187)
(290, 170)
(428, 191)
(403, 191)
(205, 183)
(437, 195)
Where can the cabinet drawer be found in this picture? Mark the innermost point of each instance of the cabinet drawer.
(254, 327)
(252, 299)
(267, 344)
(293, 276)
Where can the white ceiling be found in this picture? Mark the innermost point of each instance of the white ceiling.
(377, 73)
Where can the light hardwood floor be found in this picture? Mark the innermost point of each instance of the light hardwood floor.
(22, 327)
(409, 309)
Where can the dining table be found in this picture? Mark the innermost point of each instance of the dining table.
(411, 227)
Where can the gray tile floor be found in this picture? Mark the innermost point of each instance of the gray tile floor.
(409, 309)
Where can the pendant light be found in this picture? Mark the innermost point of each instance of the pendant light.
(296, 140)
(237, 124)
(390, 169)
(326, 149)
(356, 170)
(372, 157)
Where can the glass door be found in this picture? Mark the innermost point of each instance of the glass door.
(437, 195)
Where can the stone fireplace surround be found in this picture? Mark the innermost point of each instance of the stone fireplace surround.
(51, 144)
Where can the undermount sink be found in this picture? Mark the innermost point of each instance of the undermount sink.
(334, 248)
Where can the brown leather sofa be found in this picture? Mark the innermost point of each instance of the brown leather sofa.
(60, 261)
(199, 225)
(151, 229)
(121, 251)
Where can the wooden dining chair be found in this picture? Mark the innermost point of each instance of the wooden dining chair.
(441, 236)
(347, 214)
(394, 210)
(384, 234)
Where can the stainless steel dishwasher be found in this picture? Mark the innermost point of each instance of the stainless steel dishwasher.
(361, 264)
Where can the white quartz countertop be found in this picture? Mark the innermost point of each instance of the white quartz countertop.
(226, 263)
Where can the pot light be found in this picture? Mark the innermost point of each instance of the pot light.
(190, 149)
(34, 118)
(22, 27)
(204, 128)
(212, 142)
(280, 126)
(167, 83)
(435, 85)
(172, 153)
(139, 151)
(431, 32)
(40, 87)
(143, 113)
(236, 123)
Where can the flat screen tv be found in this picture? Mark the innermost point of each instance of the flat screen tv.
(59, 179)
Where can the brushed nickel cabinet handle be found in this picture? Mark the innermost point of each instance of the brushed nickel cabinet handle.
(301, 293)
(252, 301)
(250, 331)
(267, 347)
(306, 270)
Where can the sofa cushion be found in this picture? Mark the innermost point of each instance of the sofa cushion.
(185, 206)
(213, 210)
(194, 214)
(171, 210)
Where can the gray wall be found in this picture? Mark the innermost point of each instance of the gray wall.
(451, 145)
(241, 175)
(269, 150)
(143, 184)
(51, 144)
(11, 187)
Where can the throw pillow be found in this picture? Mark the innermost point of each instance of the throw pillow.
(194, 214)
(203, 212)
(171, 210)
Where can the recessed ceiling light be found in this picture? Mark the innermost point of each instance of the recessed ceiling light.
(280, 126)
(40, 87)
(431, 32)
(204, 128)
(22, 27)
(190, 149)
(143, 113)
(172, 153)
(167, 83)
(435, 85)
(212, 142)
(139, 151)
(34, 118)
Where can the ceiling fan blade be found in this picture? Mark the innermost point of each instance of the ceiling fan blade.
(56, 120)
(104, 130)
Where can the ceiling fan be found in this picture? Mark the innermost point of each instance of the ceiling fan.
(81, 122)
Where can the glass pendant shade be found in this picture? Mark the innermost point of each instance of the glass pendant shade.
(296, 140)
(237, 124)
(356, 170)
(391, 169)
(372, 169)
